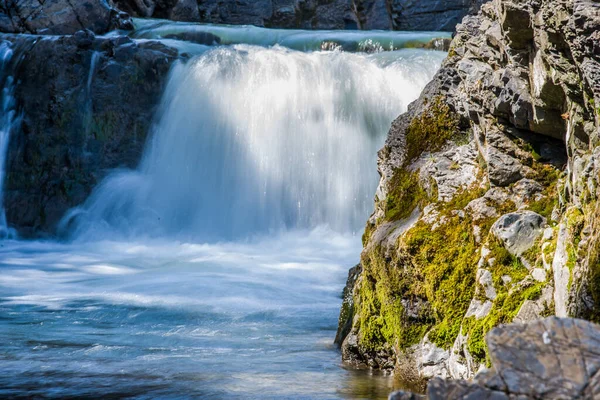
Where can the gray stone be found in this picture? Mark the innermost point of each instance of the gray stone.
(552, 359)
(519, 231)
(562, 274)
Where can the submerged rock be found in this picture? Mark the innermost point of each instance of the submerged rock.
(205, 38)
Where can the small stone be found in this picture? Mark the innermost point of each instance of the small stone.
(548, 234)
(519, 231)
(539, 274)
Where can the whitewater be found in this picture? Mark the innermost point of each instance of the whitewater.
(215, 268)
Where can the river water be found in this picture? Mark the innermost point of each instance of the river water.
(215, 269)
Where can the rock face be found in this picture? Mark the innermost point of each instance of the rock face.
(547, 359)
(310, 14)
(58, 17)
(493, 174)
(100, 96)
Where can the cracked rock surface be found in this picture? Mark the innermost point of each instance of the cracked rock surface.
(546, 359)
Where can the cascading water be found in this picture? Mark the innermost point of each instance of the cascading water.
(255, 139)
(214, 269)
(8, 120)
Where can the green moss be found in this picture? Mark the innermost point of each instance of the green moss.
(534, 254)
(594, 281)
(575, 223)
(369, 229)
(510, 298)
(505, 308)
(433, 267)
(447, 257)
(544, 206)
(548, 176)
(431, 130)
(381, 317)
(405, 194)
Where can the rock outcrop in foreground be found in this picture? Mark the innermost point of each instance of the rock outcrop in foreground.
(487, 212)
(546, 359)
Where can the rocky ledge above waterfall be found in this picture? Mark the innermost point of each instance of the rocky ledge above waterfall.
(100, 16)
(487, 208)
(434, 15)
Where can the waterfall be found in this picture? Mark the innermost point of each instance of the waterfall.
(8, 120)
(253, 139)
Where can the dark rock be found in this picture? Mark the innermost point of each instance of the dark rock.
(347, 310)
(55, 17)
(100, 98)
(434, 15)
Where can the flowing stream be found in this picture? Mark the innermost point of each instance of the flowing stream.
(214, 270)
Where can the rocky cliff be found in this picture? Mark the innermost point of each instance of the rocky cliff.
(409, 15)
(487, 208)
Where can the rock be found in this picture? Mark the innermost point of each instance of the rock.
(519, 231)
(452, 170)
(532, 310)
(439, 389)
(503, 169)
(347, 310)
(554, 358)
(484, 277)
(478, 309)
(74, 134)
(56, 17)
(562, 274)
(545, 359)
(408, 15)
(400, 395)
